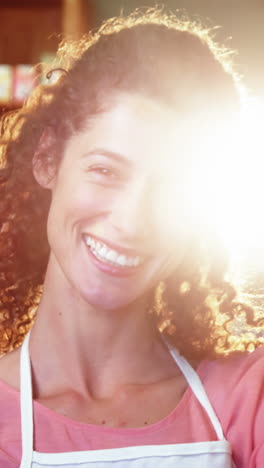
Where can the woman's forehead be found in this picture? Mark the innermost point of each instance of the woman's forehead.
(136, 124)
(146, 134)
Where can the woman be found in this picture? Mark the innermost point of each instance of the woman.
(104, 157)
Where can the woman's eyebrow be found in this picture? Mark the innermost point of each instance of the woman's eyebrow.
(117, 157)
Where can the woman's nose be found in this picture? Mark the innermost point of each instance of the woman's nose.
(132, 214)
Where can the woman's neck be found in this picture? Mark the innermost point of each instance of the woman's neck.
(95, 351)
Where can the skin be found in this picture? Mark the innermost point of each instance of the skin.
(114, 182)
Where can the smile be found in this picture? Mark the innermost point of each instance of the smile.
(110, 256)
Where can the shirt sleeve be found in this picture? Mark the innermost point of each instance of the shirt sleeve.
(235, 387)
(257, 458)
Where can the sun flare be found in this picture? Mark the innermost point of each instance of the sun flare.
(239, 205)
(231, 192)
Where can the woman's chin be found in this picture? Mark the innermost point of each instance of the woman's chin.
(104, 301)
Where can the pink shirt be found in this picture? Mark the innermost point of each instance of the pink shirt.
(235, 387)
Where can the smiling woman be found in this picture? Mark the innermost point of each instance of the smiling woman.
(106, 272)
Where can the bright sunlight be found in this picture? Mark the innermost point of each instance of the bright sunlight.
(234, 198)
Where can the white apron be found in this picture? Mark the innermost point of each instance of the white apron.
(216, 454)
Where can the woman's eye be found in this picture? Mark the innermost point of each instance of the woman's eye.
(104, 172)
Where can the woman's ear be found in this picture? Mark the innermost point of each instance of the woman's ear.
(43, 162)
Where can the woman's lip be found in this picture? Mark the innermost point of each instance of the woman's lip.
(129, 252)
(112, 269)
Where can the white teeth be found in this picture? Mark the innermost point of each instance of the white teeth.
(110, 256)
(89, 241)
(122, 260)
(103, 251)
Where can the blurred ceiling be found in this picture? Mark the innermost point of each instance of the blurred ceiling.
(30, 3)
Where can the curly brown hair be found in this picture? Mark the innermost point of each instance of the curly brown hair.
(155, 54)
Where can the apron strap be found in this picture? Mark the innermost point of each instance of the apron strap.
(197, 387)
(26, 405)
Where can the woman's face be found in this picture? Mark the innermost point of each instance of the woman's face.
(117, 225)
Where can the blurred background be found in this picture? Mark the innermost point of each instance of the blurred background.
(30, 31)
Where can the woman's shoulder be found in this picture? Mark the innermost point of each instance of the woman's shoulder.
(9, 369)
(235, 387)
(233, 376)
(10, 440)
(236, 368)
